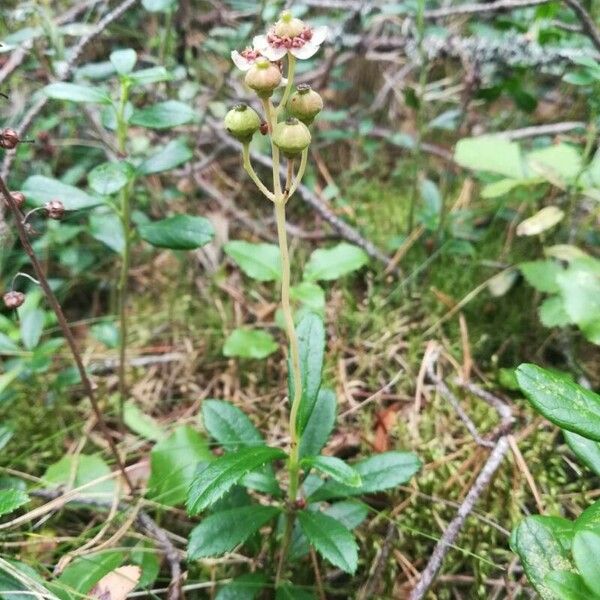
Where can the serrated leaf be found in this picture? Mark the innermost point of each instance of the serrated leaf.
(73, 92)
(334, 467)
(229, 425)
(173, 463)
(350, 513)
(249, 343)
(213, 481)
(587, 451)
(561, 401)
(223, 531)
(543, 544)
(544, 219)
(311, 347)
(11, 499)
(330, 539)
(320, 424)
(40, 189)
(378, 472)
(332, 263)
(179, 232)
(164, 115)
(541, 274)
(172, 155)
(123, 60)
(110, 177)
(259, 261)
(586, 550)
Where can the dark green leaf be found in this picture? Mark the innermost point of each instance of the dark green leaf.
(40, 189)
(213, 481)
(80, 576)
(259, 261)
(246, 587)
(249, 343)
(180, 232)
(332, 263)
(173, 463)
(223, 531)
(164, 115)
(587, 451)
(311, 345)
(106, 227)
(567, 586)
(334, 467)
(586, 550)
(11, 499)
(543, 545)
(589, 519)
(320, 424)
(229, 425)
(330, 539)
(76, 93)
(170, 156)
(110, 177)
(561, 401)
(350, 513)
(378, 472)
(287, 591)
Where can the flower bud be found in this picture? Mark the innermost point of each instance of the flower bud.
(18, 198)
(305, 104)
(263, 77)
(9, 139)
(288, 25)
(13, 299)
(291, 137)
(55, 209)
(242, 122)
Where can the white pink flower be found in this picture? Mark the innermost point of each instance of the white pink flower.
(245, 59)
(302, 46)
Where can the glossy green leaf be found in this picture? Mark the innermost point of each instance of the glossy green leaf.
(330, 539)
(561, 401)
(334, 467)
(175, 153)
(589, 519)
(311, 345)
(287, 591)
(229, 425)
(73, 92)
(213, 481)
(552, 312)
(40, 189)
(141, 423)
(110, 177)
(164, 115)
(245, 587)
(543, 545)
(350, 513)
(150, 76)
(259, 261)
(173, 462)
(541, 274)
(587, 451)
(123, 60)
(79, 470)
(31, 321)
(491, 153)
(223, 531)
(106, 227)
(567, 586)
(249, 343)
(586, 550)
(332, 263)
(378, 472)
(320, 424)
(179, 232)
(11, 499)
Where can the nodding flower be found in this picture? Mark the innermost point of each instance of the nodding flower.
(290, 35)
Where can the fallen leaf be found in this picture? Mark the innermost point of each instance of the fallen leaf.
(117, 584)
(385, 421)
(544, 219)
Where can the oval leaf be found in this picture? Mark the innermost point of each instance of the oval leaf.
(249, 343)
(11, 500)
(259, 261)
(543, 220)
(76, 93)
(40, 189)
(164, 115)
(110, 177)
(334, 467)
(229, 425)
(170, 156)
(320, 424)
(180, 232)
(586, 550)
(331, 263)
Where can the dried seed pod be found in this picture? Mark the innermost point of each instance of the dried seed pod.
(55, 209)
(9, 139)
(18, 198)
(13, 299)
(242, 122)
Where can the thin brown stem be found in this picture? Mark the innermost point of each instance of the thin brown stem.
(64, 326)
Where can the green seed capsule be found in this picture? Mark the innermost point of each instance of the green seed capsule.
(263, 77)
(305, 104)
(291, 137)
(288, 25)
(242, 122)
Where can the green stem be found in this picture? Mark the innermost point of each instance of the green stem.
(250, 170)
(288, 88)
(301, 170)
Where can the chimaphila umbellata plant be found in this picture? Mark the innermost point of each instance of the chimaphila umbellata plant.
(317, 512)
